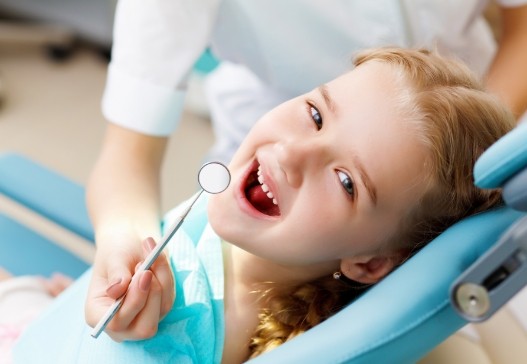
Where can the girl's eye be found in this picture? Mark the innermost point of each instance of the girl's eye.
(347, 183)
(317, 118)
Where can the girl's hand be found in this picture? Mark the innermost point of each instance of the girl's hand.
(150, 293)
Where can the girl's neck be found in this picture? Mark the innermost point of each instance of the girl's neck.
(247, 277)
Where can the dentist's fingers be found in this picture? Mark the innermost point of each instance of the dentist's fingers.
(163, 272)
(119, 277)
(140, 308)
(103, 291)
(146, 324)
(149, 296)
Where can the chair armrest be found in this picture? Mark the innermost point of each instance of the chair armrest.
(46, 192)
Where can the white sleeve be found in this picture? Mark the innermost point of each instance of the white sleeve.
(155, 46)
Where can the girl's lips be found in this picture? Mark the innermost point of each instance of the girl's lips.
(257, 193)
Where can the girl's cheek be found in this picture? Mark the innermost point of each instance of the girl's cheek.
(213, 212)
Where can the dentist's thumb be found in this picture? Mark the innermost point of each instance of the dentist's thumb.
(118, 280)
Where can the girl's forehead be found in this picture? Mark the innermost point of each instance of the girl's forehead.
(378, 131)
(379, 81)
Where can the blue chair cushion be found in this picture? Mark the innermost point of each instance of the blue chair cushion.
(45, 192)
(504, 159)
(23, 251)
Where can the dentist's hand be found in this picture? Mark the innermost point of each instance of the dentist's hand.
(150, 295)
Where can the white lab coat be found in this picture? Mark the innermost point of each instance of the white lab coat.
(275, 50)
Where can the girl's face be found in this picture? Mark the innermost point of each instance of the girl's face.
(325, 176)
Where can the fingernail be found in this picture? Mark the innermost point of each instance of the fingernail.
(150, 244)
(113, 284)
(145, 280)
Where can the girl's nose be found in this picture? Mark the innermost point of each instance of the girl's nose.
(298, 157)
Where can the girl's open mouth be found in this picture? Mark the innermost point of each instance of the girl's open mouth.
(258, 194)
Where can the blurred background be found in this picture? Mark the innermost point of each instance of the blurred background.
(53, 60)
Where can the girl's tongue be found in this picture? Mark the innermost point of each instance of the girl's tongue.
(258, 198)
(255, 191)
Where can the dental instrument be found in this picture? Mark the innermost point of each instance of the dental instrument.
(213, 177)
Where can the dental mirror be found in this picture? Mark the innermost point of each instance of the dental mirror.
(213, 177)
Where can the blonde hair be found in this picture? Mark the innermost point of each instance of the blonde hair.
(456, 119)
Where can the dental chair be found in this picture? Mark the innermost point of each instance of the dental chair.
(464, 275)
(58, 200)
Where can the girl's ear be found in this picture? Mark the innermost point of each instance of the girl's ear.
(368, 268)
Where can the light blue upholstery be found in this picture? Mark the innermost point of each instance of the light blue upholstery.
(54, 197)
(46, 192)
(397, 321)
(23, 251)
(505, 158)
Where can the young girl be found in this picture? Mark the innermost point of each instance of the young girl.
(329, 193)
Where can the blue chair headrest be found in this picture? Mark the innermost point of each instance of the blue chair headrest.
(503, 160)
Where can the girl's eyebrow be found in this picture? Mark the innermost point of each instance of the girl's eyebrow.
(323, 89)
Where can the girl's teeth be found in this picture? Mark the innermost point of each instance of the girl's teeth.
(265, 188)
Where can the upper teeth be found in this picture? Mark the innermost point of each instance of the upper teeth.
(265, 188)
